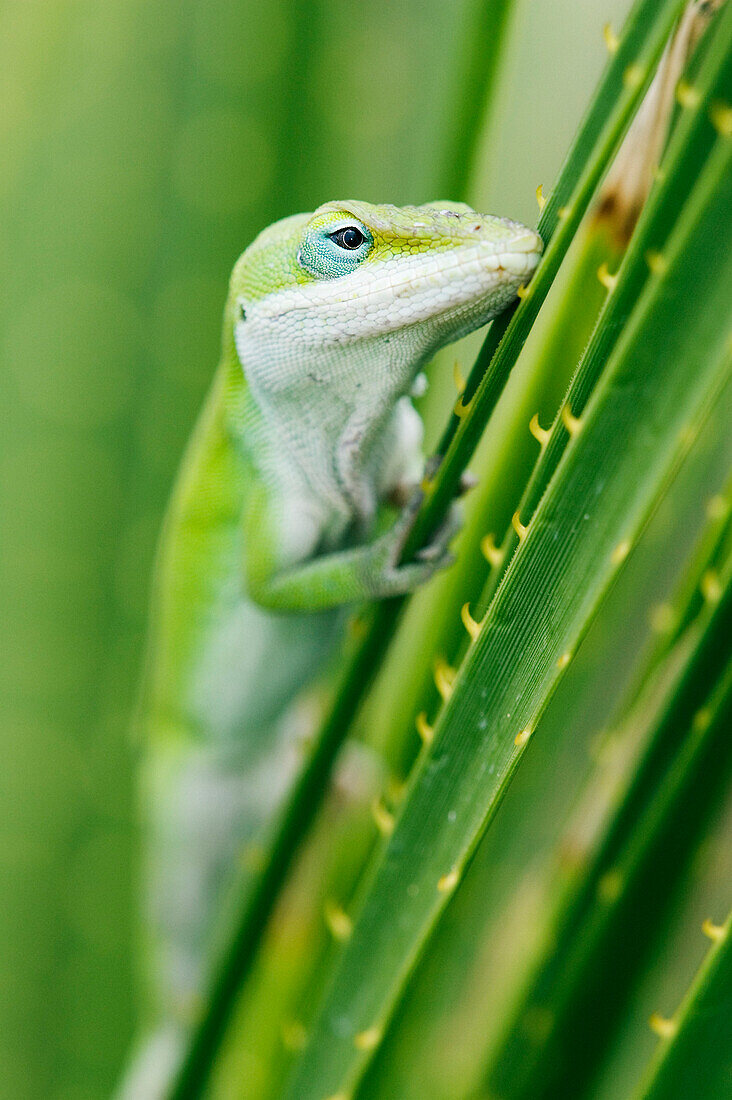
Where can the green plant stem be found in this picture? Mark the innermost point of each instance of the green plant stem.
(695, 1060)
(483, 50)
(711, 553)
(666, 758)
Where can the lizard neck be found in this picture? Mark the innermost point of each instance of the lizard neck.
(324, 432)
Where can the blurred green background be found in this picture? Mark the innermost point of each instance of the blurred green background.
(144, 143)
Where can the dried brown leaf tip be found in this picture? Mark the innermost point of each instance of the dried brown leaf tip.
(631, 175)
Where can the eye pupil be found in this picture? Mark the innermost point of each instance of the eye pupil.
(349, 238)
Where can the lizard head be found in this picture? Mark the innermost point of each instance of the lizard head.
(405, 280)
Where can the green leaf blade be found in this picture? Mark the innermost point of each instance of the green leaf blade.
(696, 1060)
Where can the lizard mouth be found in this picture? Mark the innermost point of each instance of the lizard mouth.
(520, 263)
(517, 256)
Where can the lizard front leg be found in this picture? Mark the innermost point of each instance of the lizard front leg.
(368, 571)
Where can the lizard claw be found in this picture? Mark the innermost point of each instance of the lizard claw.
(405, 522)
(436, 551)
(400, 578)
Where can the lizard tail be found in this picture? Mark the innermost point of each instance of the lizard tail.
(206, 807)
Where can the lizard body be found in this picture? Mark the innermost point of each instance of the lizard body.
(283, 514)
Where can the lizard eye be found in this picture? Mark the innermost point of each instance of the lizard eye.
(349, 237)
(331, 250)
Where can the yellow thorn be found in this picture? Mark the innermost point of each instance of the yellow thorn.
(459, 408)
(540, 197)
(657, 262)
(663, 1027)
(608, 281)
(369, 1039)
(658, 173)
(492, 554)
(563, 212)
(384, 820)
(424, 729)
(710, 587)
(611, 39)
(686, 94)
(573, 424)
(633, 76)
(701, 720)
(457, 377)
(449, 881)
(715, 932)
(720, 115)
(339, 923)
(539, 433)
(521, 291)
(294, 1036)
(620, 552)
(472, 627)
(444, 678)
(339, 1096)
(564, 660)
(522, 737)
(518, 526)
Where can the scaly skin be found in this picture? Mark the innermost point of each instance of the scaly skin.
(306, 440)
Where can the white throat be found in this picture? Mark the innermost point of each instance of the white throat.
(328, 415)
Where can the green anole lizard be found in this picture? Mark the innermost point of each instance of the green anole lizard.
(307, 447)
